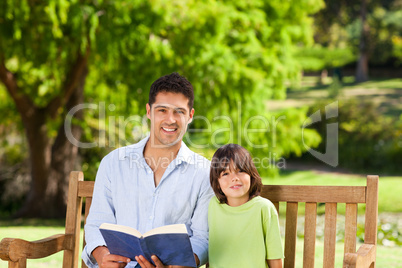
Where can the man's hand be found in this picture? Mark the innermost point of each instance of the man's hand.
(107, 260)
(144, 263)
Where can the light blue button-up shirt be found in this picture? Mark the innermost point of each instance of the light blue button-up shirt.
(125, 194)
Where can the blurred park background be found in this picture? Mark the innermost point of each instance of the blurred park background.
(75, 77)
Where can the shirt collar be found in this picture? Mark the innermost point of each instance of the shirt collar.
(184, 155)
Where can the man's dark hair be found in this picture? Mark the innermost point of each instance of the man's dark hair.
(234, 156)
(174, 83)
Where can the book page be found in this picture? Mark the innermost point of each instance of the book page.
(168, 229)
(121, 228)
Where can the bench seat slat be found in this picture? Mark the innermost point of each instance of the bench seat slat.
(350, 228)
(309, 234)
(290, 234)
(330, 235)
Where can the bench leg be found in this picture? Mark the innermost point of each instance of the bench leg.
(22, 263)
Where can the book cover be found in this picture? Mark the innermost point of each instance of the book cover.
(170, 243)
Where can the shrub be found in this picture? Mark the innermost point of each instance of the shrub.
(368, 140)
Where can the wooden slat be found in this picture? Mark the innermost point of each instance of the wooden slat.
(370, 233)
(276, 204)
(350, 228)
(88, 202)
(310, 223)
(290, 234)
(85, 188)
(330, 235)
(73, 220)
(314, 194)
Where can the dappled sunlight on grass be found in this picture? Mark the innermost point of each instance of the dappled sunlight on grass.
(387, 93)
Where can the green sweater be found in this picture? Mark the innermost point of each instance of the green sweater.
(243, 236)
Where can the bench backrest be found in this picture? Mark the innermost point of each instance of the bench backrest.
(331, 196)
(292, 195)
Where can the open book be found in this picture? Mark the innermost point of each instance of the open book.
(170, 243)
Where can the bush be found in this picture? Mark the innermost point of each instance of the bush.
(318, 58)
(368, 141)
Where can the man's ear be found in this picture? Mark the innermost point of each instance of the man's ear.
(191, 116)
(148, 111)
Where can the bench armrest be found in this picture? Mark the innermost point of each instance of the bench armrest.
(14, 249)
(364, 257)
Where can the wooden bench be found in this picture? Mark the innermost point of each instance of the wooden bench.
(17, 251)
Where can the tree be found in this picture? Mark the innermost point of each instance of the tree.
(362, 63)
(52, 52)
(370, 27)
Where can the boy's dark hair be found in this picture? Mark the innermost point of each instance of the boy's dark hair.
(174, 83)
(240, 158)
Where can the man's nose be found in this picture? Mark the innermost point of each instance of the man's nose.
(171, 118)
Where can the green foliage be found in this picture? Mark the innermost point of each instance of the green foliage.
(368, 140)
(318, 57)
(233, 52)
(339, 26)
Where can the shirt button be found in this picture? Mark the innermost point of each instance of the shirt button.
(151, 217)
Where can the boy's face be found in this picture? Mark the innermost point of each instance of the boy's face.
(169, 117)
(235, 184)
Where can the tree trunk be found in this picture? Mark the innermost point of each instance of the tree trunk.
(39, 159)
(51, 165)
(362, 64)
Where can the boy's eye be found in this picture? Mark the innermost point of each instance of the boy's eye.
(225, 173)
(180, 111)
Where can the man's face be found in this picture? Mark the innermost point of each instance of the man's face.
(169, 117)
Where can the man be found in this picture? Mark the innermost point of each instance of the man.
(156, 182)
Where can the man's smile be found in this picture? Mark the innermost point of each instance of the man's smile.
(169, 129)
